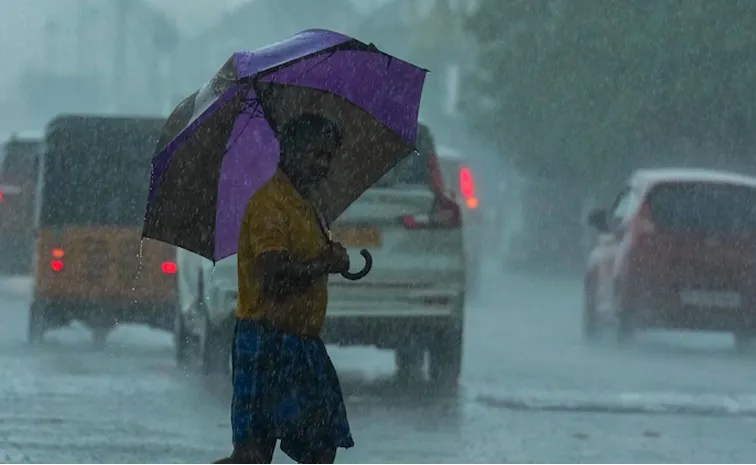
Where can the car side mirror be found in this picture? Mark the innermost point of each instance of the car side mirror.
(597, 219)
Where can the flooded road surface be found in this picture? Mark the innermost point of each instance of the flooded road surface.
(532, 391)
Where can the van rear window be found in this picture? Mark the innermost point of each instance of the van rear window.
(705, 208)
(412, 170)
(97, 172)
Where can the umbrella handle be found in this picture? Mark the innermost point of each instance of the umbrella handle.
(364, 271)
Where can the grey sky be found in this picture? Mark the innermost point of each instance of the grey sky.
(22, 23)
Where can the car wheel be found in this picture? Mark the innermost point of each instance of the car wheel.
(590, 316)
(37, 324)
(744, 341)
(184, 343)
(445, 361)
(626, 326)
(100, 336)
(409, 361)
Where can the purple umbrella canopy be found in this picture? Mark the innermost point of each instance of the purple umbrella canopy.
(220, 145)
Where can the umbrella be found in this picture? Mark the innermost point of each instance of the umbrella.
(219, 145)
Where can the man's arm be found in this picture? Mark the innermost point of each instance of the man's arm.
(280, 274)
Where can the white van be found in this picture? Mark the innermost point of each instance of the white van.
(413, 299)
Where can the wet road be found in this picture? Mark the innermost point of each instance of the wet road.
(532, 392)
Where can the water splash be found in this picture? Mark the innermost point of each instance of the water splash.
(139, 267)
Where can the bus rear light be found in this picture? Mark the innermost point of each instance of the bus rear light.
(169, 267)
(58, 253)
(56, 265)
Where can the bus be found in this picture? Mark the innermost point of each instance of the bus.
(91, 265)
(19, 171)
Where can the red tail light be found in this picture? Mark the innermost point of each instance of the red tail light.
(467, 187)
(169, 267)
(56, 265)
(445, 213)
(642, 223)
(1, 195)
(648, 251)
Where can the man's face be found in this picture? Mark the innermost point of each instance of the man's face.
(318, 156)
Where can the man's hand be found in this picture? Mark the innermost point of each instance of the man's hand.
(336, 258)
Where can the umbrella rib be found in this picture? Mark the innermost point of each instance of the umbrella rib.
(259, 100)
(256, 111)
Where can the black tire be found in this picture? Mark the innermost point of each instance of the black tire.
(744, 341)
(590, 326)
(37, 324)
(626, 326)
(100, 337)
(409, 361)
(184, 343)
(445, 356)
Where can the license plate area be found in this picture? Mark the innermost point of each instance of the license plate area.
(358, 236)
(711, 299)
(91, 258)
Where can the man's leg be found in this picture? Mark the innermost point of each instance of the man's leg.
(253, 442)
(253, 452)
(319, 456)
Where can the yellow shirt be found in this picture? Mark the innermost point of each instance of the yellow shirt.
(277, 218)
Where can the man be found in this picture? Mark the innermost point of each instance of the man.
(285, 386)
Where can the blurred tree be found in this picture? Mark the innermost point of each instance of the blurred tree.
(574, 89)
(579, 92)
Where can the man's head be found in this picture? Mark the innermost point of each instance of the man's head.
(307, 146)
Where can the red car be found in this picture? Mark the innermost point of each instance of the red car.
(677, 250)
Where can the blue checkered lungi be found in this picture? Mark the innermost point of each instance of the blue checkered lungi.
(286, 387)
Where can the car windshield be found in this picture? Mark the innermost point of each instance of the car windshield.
(704, 208)
(412, 170)
(98, 177)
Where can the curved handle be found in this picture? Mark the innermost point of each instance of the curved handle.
(364, 271)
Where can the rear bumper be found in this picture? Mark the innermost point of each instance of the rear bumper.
(387, 324)
(388, 332)
(106, 312)
(700, 319)
(663, 308)
(392, 324)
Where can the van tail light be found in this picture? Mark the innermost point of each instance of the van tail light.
(57, 264)
(642, 223)
(445, 213)
(647, 250)
(467, 187)
(169, 267)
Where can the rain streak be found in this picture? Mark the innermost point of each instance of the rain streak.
(439, 231)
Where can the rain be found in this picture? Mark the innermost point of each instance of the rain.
(560, 251)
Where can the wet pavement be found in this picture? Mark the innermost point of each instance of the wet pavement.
(532, 391)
